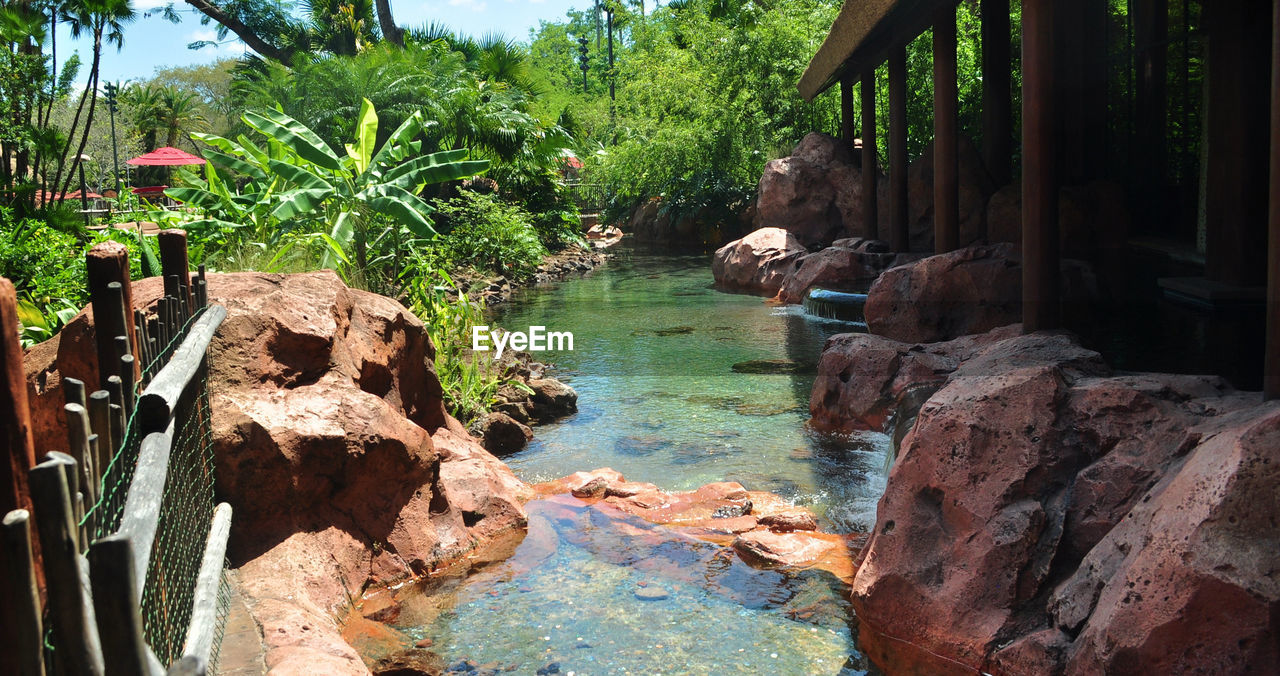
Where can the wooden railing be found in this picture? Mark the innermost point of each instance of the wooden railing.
(127, 559)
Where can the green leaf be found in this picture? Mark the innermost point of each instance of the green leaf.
(295, 135)
(299, 176)
(294, 203)
(398, 144)
(338, 239)
(434, 168)
(366, 137)
(403, 206)
(195, 196)
(235, 164)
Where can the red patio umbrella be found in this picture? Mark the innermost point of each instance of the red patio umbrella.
(166, 157)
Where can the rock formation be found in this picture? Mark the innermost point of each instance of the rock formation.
(1045, 516)
(967, 291)
(976, 187)
(846, 265)
(334, 449)
(815, 193)
(758, 262)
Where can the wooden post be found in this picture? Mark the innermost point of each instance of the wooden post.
(15, 415)
(1271, 368)
(946, 162)
(24, 638)
(847, 132)
(1151, 44)
(1236, 208)
(997, 91)
(1040, 267)
(173, 259)
(202, 287)
(69, 609)
(74, 391)
(899, 210)
(78, 440)
(115, 602)
(870, 170)
(105, 263)
(100, 423)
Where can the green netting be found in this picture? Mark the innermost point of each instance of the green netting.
(186, 513)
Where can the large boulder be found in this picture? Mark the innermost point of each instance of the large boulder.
(815, 193)
(1092, 218)
(976, 187)
(841, 268)
(1044, 516)
(967, 291)
(758, 262)
(333, 448)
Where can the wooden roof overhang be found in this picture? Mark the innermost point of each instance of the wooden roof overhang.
(861, 37)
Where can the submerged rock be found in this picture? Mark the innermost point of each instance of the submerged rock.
(773, 367)
(651, 593)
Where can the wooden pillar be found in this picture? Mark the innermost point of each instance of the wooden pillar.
(1151, 47)
(899, 228)
(1040, 267)
(946, 167)
(174, 261)
(15, 415)
(870, 169)
(105, 263)
(847, 133)
(1271, 367)
(1236, 121)
(997, 91)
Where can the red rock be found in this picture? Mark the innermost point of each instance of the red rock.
(837, 268)
(551, 399)
(815, 193)
(1091, 217)
(1044, 517)
(500, 433)
(766, 548)
(976, 187)
(789, 522)
(758, 262)
(592, 489)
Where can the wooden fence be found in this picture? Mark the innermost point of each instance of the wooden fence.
(113, 552)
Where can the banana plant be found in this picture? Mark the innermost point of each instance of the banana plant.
(297, 183)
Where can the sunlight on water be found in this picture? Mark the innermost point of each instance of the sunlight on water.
(678, 385)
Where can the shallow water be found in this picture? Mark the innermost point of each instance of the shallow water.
(659, 399)
(670, 391)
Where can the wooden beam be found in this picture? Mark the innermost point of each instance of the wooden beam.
(946, 163)
(15, 415)
(24, 632)
(1239, 59)
(870, 165)
(173, 260)
(899, 227)
(997, 91)
(1040, 267)
(1271, 367)
(160, 399)
(107, 263)
(204, 605)
(847, 133)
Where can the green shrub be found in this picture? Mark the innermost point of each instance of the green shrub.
(490, 234)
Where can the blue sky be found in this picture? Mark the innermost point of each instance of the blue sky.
(152, 41)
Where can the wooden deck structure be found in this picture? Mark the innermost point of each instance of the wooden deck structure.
(1065, 126)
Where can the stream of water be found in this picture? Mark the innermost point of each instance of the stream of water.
(679, 385)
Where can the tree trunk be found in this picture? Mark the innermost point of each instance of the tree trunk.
(390, 31)
(242, 31)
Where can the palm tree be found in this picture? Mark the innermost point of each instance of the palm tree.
(181, 112)
(105, 20)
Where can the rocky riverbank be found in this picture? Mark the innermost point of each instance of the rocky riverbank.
(1047, 515)
(574, 260)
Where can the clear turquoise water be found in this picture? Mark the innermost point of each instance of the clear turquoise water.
(659, 400)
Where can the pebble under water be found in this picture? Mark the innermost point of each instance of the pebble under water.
(679, 385)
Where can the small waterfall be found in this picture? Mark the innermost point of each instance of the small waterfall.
(836, 305)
